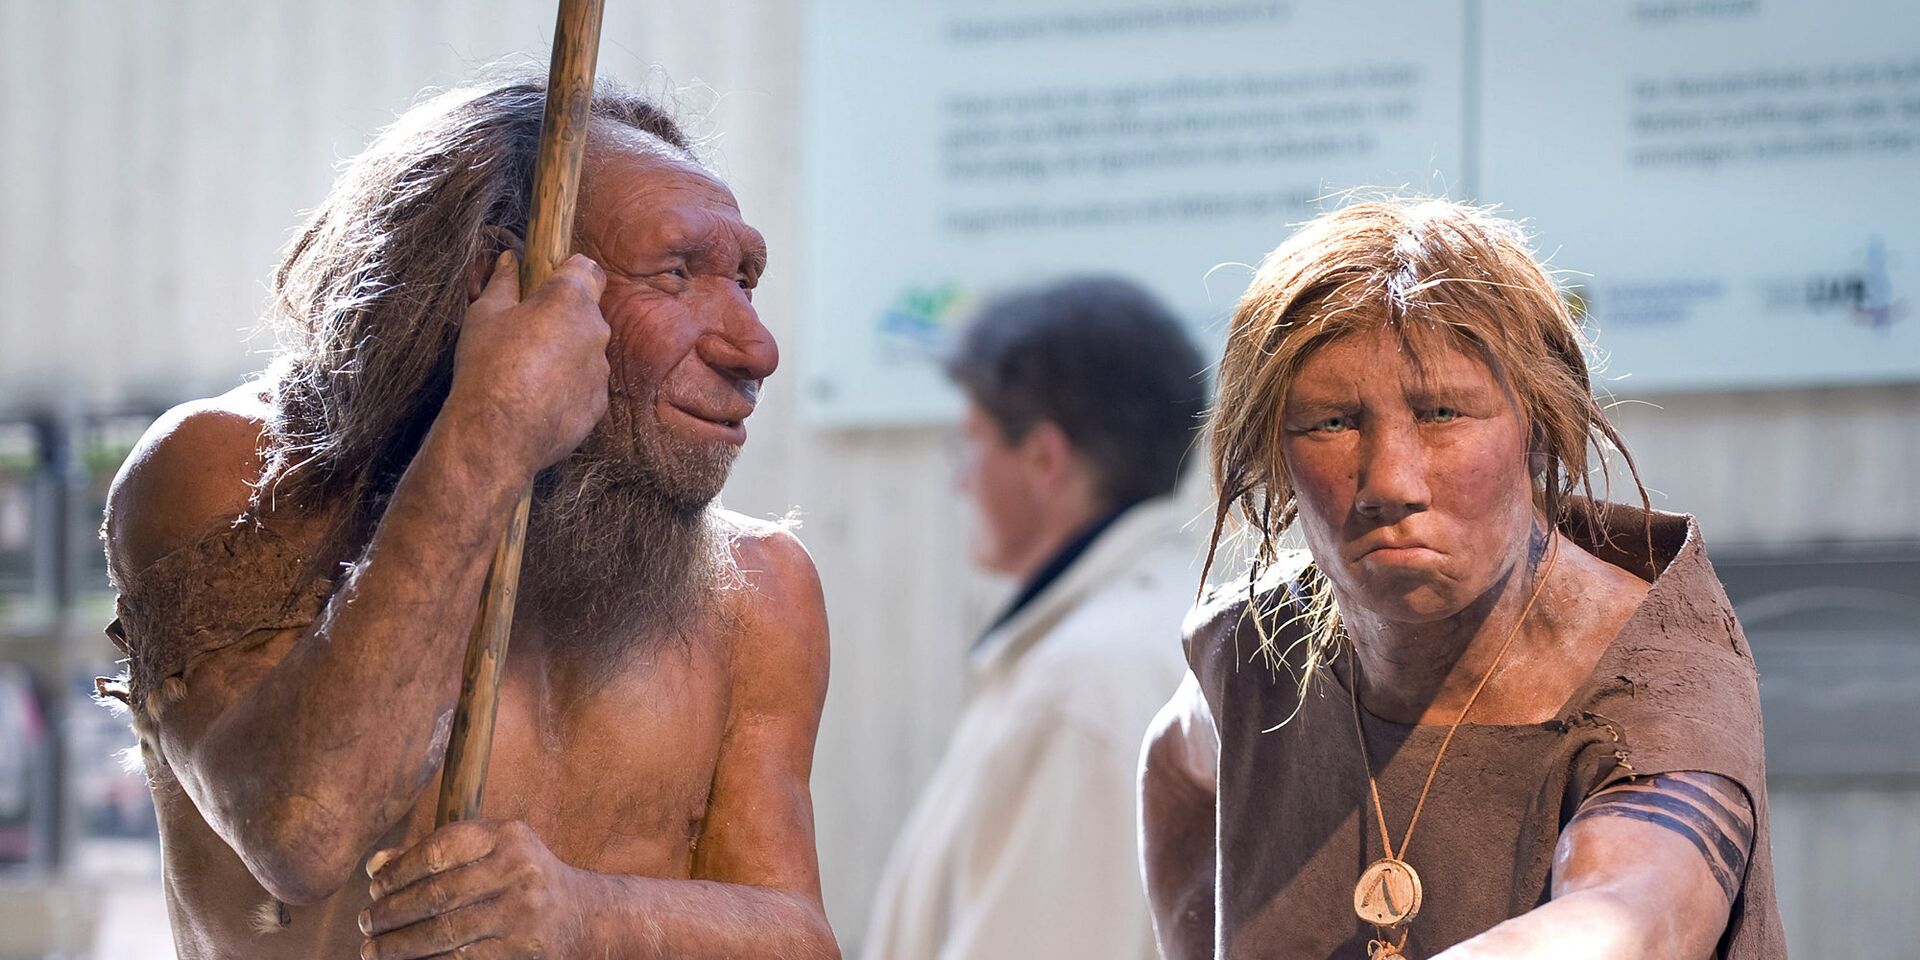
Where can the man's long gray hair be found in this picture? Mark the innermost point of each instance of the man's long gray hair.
(368, 299)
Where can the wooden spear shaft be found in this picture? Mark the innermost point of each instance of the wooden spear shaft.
(556, 183)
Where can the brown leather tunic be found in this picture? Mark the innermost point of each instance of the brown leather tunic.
(237, 584)
(1675, 691)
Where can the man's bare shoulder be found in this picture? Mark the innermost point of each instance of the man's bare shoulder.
(769, 558)
(780, 599)
(191, 471)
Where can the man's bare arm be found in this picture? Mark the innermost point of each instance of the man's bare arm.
(1647, 868)
(302, 752)
(757, 843)
(492, 889)
(1178, 782)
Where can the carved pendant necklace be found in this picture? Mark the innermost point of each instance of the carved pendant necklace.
(1389, 894)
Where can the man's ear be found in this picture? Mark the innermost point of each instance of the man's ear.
(493, 239)
(1048, 451)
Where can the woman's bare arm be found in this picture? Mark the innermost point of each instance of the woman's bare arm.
(1648, 868)
(1178, 776)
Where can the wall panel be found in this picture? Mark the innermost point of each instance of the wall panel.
(155, 157)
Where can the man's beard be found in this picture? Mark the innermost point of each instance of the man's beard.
(623, 552)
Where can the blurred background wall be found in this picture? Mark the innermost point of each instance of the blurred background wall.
(154, 158)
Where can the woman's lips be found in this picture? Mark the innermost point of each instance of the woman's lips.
(1400, 554)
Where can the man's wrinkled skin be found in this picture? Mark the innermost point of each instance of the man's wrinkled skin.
(1415, 489)
(656, 808)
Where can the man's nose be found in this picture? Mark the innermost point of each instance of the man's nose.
(1393, 474)
(741, 347)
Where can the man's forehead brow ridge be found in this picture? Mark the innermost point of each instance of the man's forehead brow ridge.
(707, 233)
(754, 249)
(680, 231)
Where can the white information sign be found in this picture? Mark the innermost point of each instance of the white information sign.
(1724, 170)
(1738, 183)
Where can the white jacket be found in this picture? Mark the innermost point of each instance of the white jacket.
(1024, 843)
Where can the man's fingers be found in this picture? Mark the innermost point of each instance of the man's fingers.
(453, 845)
(577, 276)
(588, 271)
(440, 893)
(489, 949)
(380, 859)
(503, 287)
(443, 934)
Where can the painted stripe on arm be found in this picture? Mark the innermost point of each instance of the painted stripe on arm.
(1698, 807)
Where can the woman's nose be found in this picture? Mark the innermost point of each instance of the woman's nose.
(1393, 475)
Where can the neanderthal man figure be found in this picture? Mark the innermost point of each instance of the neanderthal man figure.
(299, 562)
(1479, 716)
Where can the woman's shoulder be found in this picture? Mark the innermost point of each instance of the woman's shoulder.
(1233, 618)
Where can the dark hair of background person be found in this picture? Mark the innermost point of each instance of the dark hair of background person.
(1105, 361)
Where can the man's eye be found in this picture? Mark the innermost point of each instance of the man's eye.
(1442, 415)
(1331, 425)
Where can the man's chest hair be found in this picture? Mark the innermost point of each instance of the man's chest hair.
(630, 760)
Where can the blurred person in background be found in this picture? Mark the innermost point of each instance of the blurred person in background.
(1083, 399)
(299, 562)
(1551, 688)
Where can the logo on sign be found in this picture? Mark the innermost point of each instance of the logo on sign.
(1866, 293)
(919, 324)
(1862, 294)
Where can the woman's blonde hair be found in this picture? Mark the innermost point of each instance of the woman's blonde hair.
(1439, 274)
